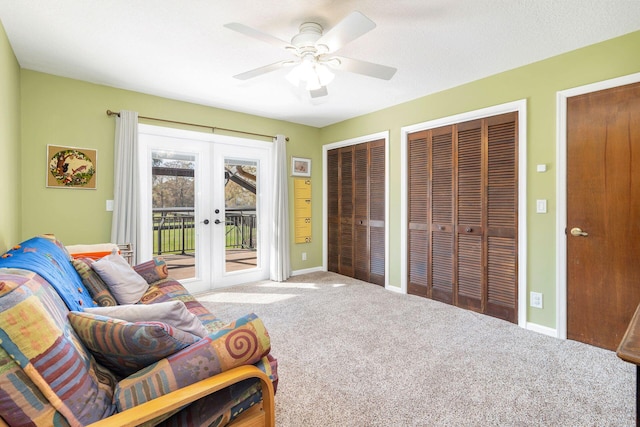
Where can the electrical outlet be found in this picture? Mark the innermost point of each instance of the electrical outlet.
(304, 256)
(535, 299)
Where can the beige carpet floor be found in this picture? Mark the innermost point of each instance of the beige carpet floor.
(354, 354)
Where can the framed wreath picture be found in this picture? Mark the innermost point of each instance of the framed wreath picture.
(300, 166)
(71, 167)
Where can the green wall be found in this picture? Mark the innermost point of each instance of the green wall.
(538, 84)
(68, 112)
(9, 145)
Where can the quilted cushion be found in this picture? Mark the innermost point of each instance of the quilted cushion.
(21, 402)
(172, 290)
(153, 270)
(126, 347)
(95, 285)
(125, 284)
(33, 331)
(173, 313)
(242, 342)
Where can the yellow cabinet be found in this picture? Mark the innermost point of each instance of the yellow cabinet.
(302, 209)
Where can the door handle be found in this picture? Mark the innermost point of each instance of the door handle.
(577, 232)
(217, 221)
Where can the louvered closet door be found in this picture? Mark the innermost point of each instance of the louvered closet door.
(346, 212)
(333, 214)
(502, 217)
(442, 227)
(469, 213)
(377, 204)
(419, 156)
(356, 211)
(361, 212)
(463, 197)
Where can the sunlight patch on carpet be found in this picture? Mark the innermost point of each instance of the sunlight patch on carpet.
(245, 298)
(289, 285)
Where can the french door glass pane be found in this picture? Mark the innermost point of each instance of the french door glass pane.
(241, 232)
(173, 203)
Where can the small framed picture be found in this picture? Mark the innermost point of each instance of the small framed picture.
(71, 167)
(300, 166)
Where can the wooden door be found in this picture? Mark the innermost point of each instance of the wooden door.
(603, 200)
(442, 226)
(333, 213)
(345, 173)
(470, 190)
(356, 211)
(463, 215)
(377, 210)
(361, 212)
(501, 226)
(418, 239)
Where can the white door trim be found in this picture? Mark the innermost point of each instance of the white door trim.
(325, 216)
(561, 189)
(520, 107)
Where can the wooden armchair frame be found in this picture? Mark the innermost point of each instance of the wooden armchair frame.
(259, 415)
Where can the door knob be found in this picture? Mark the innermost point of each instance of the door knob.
(206, 221)
(577, 232)
(217, 221)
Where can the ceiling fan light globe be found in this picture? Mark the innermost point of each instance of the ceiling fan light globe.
(324, 74)
(313, 82)
(294, 76)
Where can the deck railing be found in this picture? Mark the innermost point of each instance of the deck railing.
(174, 230)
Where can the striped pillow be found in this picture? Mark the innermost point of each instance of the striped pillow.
(126, 347)
(95, 285)
(152, 270)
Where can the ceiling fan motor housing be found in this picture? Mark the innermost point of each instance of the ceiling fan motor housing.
(305, 40)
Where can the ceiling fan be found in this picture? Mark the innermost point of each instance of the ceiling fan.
(314, 50)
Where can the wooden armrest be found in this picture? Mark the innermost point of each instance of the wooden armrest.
(179, 398)
(629, 347)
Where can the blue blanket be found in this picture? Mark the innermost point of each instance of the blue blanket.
(45, 258)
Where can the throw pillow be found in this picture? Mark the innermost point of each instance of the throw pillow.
(173, 313)
(95, 285)
(152, 270)
(125, 284)
(126, 347)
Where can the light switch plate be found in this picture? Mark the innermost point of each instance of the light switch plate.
(541, 206)
(109, 205)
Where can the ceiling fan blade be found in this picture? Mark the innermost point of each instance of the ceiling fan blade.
(367, 68)
(256, 34)
(350, 28)
(262, 70)
(319, 92)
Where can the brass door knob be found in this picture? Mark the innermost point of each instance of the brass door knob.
(577, 232)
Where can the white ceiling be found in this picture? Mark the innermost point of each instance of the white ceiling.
(180, 49)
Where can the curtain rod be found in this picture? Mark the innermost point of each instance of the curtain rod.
(213, 128)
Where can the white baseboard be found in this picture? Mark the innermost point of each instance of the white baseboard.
(307, 270)
(396, 289)
(545, 330)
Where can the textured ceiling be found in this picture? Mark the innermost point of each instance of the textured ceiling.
(180, 49)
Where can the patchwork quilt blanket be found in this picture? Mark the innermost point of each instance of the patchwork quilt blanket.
(39, 254)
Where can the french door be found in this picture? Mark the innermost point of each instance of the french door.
(206, 206)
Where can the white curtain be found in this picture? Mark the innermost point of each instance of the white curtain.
(280, 265)
(126, 185)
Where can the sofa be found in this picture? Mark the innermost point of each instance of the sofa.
(71, 354)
